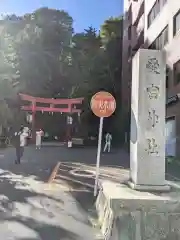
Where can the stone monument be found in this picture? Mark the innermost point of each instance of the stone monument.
(147, 145)
(143, 206)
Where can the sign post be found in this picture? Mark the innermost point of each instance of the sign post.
(98, 155)
(103, 104)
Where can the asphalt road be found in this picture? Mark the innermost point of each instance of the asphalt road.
(79, 172)
(31, 208)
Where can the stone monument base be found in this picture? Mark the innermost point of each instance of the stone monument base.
(154, 188)
(125, 213)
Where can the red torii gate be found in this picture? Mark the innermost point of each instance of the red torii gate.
(70, 109)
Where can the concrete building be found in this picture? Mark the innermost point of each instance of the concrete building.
(133, 38)
(155, 24)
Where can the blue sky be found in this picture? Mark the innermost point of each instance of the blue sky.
(84, 12)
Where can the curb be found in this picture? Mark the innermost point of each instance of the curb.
(54, 173)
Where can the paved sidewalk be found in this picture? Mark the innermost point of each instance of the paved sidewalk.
(31, 209)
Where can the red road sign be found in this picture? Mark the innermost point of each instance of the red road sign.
(103, 104)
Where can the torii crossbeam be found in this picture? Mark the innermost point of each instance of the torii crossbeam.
(36, 101)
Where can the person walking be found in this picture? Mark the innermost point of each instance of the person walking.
(39, 135)
(20, 142)
(108, 139)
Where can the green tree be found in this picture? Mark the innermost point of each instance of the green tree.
(40, 56)
(8, 73)
(111, 34)
(85, 49)
(97, 66)
(41, 43)
(34, 53)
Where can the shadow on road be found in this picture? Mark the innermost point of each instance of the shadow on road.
(25, 211)
(41, 232)
(80, 178)
(29, 212)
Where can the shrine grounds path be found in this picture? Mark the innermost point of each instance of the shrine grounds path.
(50, 195)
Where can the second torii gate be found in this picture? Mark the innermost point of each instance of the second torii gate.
(70, 109)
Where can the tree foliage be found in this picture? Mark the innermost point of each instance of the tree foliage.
(98, 67)
(41, 56)
(39, 48)
(34, 53)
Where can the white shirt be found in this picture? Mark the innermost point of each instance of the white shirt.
(108, 137)
(23, 137)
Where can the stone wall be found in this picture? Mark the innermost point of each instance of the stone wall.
(143, 216)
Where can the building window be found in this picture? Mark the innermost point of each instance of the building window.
(152, 46)
(157, 7)
(129, 33)
(167, 77)
(162, 3)
(176, 23)
(130, 12)
(176, 70)
(130, 67)
(129, 51)
(161, 40)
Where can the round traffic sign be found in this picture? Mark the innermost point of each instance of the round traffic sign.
(103, 104)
